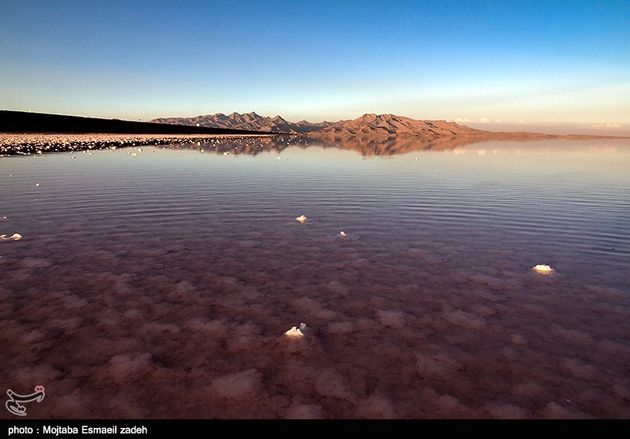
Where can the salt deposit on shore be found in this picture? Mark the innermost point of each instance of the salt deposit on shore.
(24, 144)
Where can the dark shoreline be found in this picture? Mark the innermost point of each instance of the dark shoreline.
(25, 122)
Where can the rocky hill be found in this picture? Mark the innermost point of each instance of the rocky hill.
(247, 121)
(389, 125)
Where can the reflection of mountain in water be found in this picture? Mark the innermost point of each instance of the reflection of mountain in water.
(366, 146)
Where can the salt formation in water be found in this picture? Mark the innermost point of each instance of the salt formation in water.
(342, 234)
(301, 219)
(296, 332)
(14, 237)
(543, 269)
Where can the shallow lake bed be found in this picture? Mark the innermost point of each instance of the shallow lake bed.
(160, 282)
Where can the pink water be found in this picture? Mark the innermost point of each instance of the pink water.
(161, 285)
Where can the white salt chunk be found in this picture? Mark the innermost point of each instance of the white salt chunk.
(543, 269)
(14, 237)
(296, 332)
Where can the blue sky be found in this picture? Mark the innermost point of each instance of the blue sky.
(546, 62)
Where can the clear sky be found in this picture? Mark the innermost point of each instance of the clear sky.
(534, 62)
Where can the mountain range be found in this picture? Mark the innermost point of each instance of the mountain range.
(380, 125)
(369, 126)
(246, 121)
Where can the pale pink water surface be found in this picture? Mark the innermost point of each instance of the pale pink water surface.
(161, 285)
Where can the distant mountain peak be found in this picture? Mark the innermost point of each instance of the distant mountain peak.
(391, 125)
(251, 121)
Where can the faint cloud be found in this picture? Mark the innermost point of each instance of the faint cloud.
(484, 120)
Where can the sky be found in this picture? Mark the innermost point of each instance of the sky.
(555, 63)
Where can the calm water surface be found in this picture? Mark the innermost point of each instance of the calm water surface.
(161, 285)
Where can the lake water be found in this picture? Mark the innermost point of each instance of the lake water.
(161, 285)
